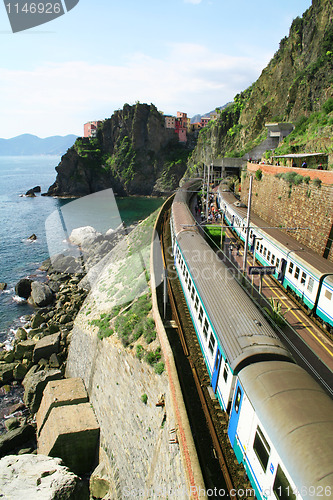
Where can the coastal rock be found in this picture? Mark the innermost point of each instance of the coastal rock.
(64, 264)
(34, 384)
(84, 236)
(17, 438)
(99, 483)
(47, 346)
(41, 294)
(24, 347)
(30, 193)
(37, 320)
(7, 356)
(7, 373)
(33, 237)
(23, 288)
(21, 334)
(38, 477)
(3, 286)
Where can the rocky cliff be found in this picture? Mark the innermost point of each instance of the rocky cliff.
(133, 153)
(296, 86)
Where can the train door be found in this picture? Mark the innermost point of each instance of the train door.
(235, 412)
(282, 270)
(216, 371)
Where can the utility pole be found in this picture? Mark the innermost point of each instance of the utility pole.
(247, 225)
(207, 198)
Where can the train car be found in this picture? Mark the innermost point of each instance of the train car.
(281, 428)
(280, 420)
(298, 268)
(231, 331)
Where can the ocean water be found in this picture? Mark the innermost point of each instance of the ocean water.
(51, 220)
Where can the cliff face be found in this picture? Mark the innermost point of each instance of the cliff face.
(293, 87)
(133, 153)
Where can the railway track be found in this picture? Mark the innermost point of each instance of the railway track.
(215, 454)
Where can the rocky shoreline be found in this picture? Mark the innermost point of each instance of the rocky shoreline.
(40, 348)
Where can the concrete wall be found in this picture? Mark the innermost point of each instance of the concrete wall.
(304, 205)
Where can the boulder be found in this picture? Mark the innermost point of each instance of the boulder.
(64, 264)
(99, 483)
(23, 288)
(46, 346)
(16, 438)
(37, 320)
(3, 286)
(30, 193)
(7, 373)
(7, 356)
(33, 237)
(34, 384)
(24, 347)
(84, 236)
(21, 334)
(41, 294)
(71, 432)
(38, 477)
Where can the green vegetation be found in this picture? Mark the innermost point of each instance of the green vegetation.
(144, 398)
(214, 233)
(293, 178)
(122, 163)
(258, 174)
(275, 312)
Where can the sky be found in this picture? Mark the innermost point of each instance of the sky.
(180, 55)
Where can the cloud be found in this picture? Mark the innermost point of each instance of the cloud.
(57, 98)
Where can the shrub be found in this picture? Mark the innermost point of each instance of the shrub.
(328, 106)
(316, 182)
(159, 368)
(258, 174)
(144, 398)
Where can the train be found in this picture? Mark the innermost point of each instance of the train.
(280, 421)
(300, 270)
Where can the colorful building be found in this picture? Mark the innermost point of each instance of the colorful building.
(90, 128)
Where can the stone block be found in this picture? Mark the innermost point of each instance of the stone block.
(47, 346)
(71, 433)
(70, 391)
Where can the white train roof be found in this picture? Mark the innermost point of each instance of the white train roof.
(304, 254)
(242, 330)
(297, 415)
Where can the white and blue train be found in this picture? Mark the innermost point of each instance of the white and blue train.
(280, 420)
(298, 268)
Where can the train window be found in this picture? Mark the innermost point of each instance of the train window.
(303, 278)
(296, 275)
(225, 372)
(277, 263)
(186, 276)
(196, 304)
(268, 255)
(200, 315)
(291, 267)
(328, 295)
(310, 284)
(238, 399)
(281, 487)
(205, 328)
(272, 259)
(211, 344)
(189, 284)
(261, 448)
(192, 293)
(261, 247)
(265, 250)
(258, 245)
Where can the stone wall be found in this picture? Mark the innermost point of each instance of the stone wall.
(304, 205)
(144, 430)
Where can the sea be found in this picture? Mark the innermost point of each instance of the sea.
(51, 220)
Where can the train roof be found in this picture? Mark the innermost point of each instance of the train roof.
(182, 215)
(241, 329)
(318, 264)
(297, 415)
